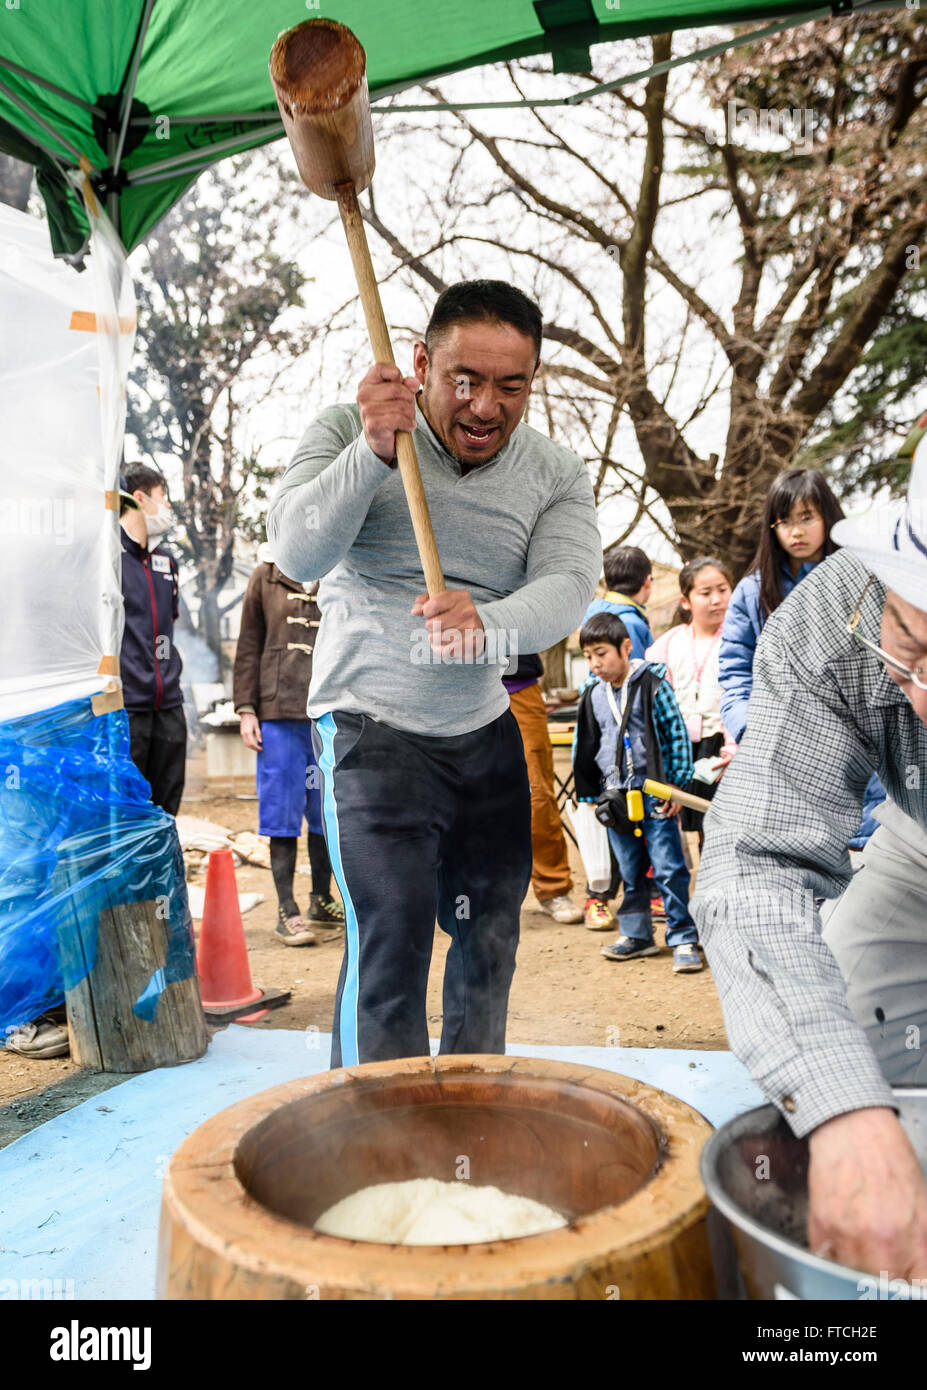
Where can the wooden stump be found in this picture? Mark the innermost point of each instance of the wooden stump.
(105, 1034)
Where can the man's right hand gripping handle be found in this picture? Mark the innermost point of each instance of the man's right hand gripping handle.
(387, 404)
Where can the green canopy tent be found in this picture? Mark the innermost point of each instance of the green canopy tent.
(151, 92)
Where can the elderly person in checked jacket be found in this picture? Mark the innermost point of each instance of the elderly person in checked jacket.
(828, 1021)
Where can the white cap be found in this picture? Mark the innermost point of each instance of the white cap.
(265, 554)
(892, 540)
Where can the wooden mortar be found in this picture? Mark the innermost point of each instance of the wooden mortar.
(617, 1157)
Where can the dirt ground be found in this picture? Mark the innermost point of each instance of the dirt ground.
(564, 991)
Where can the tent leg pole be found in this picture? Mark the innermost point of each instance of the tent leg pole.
(112, 198)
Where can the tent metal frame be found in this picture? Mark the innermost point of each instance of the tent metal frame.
(51, 87)
(129, 91)
(58, 160)
(134, 176)
(43, 125)
(227, 118)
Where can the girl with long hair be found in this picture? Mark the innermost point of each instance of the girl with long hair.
(798, 515)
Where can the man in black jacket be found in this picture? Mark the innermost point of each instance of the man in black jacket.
(149, 662)
(150, 668)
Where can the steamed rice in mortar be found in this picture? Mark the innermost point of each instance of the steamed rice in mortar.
(427, 1211)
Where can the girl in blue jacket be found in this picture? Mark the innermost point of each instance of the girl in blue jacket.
(794, 537)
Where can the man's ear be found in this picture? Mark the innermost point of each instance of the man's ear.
(420, 361)
(626, 648)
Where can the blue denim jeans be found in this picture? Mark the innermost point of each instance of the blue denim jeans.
(660, 846)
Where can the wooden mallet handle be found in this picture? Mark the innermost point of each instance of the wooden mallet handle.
(378, 333)
(318, 70)
(665, 792)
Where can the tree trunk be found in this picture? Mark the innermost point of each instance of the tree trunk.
(15, 182)
(554, 659)
(209, 625)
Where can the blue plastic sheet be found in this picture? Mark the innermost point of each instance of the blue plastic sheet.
(78, 833)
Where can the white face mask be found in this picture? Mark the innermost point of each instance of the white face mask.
(159, 522)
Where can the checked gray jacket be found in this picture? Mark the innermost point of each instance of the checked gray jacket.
(822, 716)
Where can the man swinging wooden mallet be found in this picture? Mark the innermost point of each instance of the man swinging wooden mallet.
(426, 801)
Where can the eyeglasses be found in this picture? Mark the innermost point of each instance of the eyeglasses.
(892, 662)
(802, 524)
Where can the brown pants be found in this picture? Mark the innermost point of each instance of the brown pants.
(550, 869)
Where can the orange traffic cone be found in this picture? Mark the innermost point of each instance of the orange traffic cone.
(221, 956)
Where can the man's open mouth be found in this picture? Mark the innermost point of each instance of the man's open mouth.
(478, 434)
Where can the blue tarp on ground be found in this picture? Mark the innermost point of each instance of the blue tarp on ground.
(78, 833)
(80, 1196)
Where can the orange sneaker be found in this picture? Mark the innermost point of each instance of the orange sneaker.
(597, 916)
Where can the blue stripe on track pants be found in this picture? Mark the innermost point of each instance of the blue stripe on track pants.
(420, 828)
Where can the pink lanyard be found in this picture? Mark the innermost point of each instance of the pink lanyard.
(699, 670)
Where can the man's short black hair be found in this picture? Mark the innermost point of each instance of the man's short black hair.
(138, 477)
(603, 627)
(627, 568)
(470, 301)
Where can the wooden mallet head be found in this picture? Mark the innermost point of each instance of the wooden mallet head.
(318, 69)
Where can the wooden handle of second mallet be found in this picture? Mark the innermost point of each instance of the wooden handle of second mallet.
(665, 792)
(383, 352)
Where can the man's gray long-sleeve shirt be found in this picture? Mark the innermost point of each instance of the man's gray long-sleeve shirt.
(823, 715)
(519, 533)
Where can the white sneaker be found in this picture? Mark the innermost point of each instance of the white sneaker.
(562, 909)
(686, 960)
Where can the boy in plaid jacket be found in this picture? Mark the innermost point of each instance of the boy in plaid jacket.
(629, 728)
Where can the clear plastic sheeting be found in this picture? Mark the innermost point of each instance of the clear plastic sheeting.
(79, 834)
(64, 354)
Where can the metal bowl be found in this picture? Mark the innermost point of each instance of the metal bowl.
(756, 1174)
